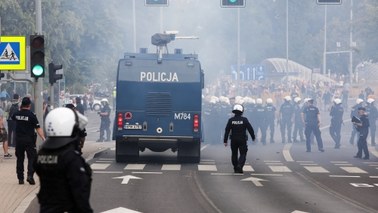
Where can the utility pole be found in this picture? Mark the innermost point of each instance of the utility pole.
(351, 45)
(38, 102)
(239, 82)
(325, 41)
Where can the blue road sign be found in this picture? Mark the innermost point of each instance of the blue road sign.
(248, 72)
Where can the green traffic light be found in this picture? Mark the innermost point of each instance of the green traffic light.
(37, 70)
(232, 1)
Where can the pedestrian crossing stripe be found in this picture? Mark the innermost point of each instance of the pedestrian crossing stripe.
(351, 169)
(316, 169)
(213, 168)
(13, 53)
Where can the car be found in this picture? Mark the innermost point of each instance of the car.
(96, 105)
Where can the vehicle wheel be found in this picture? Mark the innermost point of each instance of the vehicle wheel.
(96, 107)
(126, 151)
(189, 152)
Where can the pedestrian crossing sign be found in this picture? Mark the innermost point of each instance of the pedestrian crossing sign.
(13, 53)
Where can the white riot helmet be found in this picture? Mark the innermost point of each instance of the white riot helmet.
(214, 99)
(259, 101)
(370, 100)
(238, 108)
(337, 101)
(269, 101)
(297, 99)
(239, 100)
(62, 126)
(104, 101)
(287, 98)
(359, 100)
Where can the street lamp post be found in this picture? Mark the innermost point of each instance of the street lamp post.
(325, 41)
(287, 37)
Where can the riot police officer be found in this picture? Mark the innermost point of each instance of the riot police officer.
(298, 123)
(270, 117)
(372, 113)
(238, 125)
(336, 114)
(285, 119)
(311, 119)
(210, 120)
(354, 112)
(26, 126)
(260, 124)
(362, 127)
(105, 120)
(65, 177)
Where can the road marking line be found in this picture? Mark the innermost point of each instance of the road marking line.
(226, 174)
(107, 172)
(109, 159)
(339, 162)
(103, 161)
(99, 166)
(280, 169)
(248, 168)
(212, 168)
(135, 167)
(373, 165)
(369, 162)
(272, 175)
(374, 152)
(272, 161)
(316, 169)
(148, 173)
(343, 164)
(353, 169)
(204, 147)
(305, 161)
(207, 160)
(286, 153)
(274, 164)
(308, 164)
(373, 176)
(171, 167)
(344, 176)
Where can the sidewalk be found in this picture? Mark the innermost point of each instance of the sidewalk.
(16, 198)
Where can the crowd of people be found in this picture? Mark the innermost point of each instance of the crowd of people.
(294, 107)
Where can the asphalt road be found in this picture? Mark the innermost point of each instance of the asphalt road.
(278, 178)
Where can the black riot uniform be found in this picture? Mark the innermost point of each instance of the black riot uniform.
(261, 123)
(270, 115)
(286, 116)
(65, 177)
(105, 122)
(354, 112)
(362, 127)
(237, 126)
(298, 123)
(372, 113)
(336, 114)
(310, 116)
(211, 116)
(26, 125)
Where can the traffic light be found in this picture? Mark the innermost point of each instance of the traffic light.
(232, 3)
(37, 56)
(156, 2)
(53, 77)
(329, 1)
